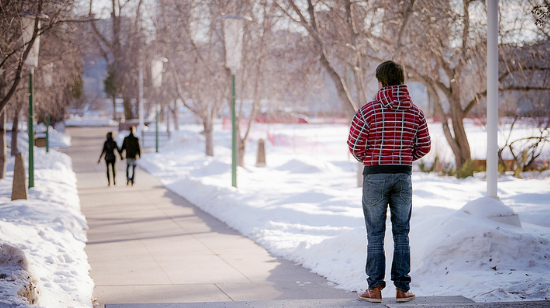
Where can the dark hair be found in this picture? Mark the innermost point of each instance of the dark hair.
(390, 73)
(110, 135)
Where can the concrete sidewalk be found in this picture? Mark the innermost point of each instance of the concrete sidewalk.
(148, 245)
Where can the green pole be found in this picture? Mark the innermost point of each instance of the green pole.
(48, 133)
(157, 131)
(31, 132)
(234, 138)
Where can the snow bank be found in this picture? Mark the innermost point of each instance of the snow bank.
(305, 206)
(75, 120)
(42, 239)
(486, 207)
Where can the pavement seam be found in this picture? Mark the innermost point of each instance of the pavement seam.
(217, 286)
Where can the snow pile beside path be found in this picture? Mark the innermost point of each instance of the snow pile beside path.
(471, 255)
(305, 206)
(75, 120)
(487, 207)
(57, 139)
(14, 270)
(42, 239)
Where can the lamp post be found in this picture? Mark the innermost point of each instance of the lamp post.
(492, 116)
(140, 97)
(48, 70)
(233, 36)
(156, 74)
(492, 98)
(27, 23)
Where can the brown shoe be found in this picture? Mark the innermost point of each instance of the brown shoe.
(372, 295)
(401, 296)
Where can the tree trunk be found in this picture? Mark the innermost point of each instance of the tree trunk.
(167, 116)
(241, 147)
(438, 111)
(3, 150)
(3, 145)
(127, 103)
(114, 109)
(457, 139)
(341, 89)
(463, 154)
(174, 112)
(360, 86)
(208, 125)
(15, 132)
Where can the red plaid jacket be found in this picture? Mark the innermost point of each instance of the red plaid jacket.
(390, 130)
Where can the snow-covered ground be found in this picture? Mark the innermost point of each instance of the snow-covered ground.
(305, 206)
(76, 120)
(42, 239)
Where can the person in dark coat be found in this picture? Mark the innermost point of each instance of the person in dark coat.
(131, 145)
(109, 148)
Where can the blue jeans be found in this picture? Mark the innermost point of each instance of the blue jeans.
(130, 162)
(379, 190)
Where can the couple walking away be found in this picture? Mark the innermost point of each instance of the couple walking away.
(131, 146)
(387, 135)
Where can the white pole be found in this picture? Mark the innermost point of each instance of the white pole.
(140, 85)
(492, 98)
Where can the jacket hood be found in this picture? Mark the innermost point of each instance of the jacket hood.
(395, 97)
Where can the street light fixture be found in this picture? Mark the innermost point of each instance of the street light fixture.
(233, 36)
(156, 74)
(27, 24)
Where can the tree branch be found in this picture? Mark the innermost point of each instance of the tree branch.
(180, 91)
(404, 25)
(96, 31)
(466, 29)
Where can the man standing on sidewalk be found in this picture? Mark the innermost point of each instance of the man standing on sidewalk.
(133, 150)
(387, 135)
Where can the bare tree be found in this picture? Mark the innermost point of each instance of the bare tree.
(196, 63)
(276, 66)
(530, 110)
(336, 29)
(12, 58)
(59, 82)
(14, 51)
(443, 46)
(123, 47)
(257, 33)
